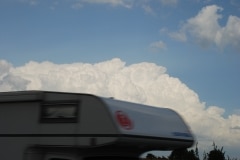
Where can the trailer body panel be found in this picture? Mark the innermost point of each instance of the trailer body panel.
(35, 120)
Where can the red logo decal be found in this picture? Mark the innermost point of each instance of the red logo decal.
(123, 120)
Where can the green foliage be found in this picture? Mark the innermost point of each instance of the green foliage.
(152, 157)
(184, 154)
(216, 154)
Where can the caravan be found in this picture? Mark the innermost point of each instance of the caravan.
(41, 125)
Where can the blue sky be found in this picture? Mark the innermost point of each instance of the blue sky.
(66, 31)
(198, 41)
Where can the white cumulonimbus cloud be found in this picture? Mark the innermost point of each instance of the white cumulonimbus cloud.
(145, 83)
(206, 30)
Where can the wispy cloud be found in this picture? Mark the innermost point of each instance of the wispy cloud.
(148, 9)
(205, 29)
(235, 3)
(158, 46)
(180, 36)
(30, 2)
(77, 5)
(169, 2)
(123, 3)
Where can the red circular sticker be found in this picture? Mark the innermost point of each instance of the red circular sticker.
(123, 120)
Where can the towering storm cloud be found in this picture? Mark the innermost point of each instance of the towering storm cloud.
(145, 83)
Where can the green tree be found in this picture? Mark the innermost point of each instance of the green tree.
(183, 154)
(177, 154)
(216, 154)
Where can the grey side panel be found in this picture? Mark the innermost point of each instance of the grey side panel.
(15, 119)
(96, 119)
